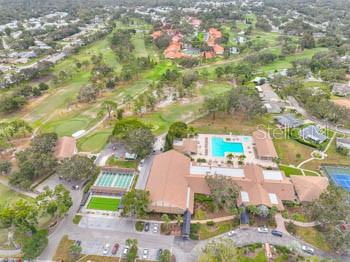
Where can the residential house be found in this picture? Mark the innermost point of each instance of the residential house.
(343, 143)
(313, 133)
(288, 121)
(271, 100)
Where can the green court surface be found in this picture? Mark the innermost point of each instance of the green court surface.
(104, 203)
(117, 180)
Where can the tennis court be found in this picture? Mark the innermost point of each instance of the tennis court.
(339, 175)
(104, 203)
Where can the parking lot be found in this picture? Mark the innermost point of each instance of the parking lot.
(153, 229)
(105, 249)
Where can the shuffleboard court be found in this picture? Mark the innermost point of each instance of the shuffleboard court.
(104, 203)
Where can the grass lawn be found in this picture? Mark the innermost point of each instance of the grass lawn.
(112, 161)
(287, 62)
(104, 203)
(260, 257)
(224, 124)
(214, 88)
(313, 236)
(8, 196)
(291, 151)
(94, 142)
(333, 157)
(95, 258)
(206, 231)
(68, 126)
(62, 251)
(161, 120)
(288, 171)
(139, 44)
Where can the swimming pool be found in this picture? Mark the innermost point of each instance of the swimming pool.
(220, 147)
(339, 175)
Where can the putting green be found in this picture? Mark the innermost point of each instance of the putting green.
(104, 203)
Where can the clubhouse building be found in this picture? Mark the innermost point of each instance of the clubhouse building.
(176, 175)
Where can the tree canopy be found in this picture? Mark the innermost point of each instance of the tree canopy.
(220, 250)
(136, 203)
(77, 168)
(224, 192)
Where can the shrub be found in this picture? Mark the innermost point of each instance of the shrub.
(200, 214)
(194, 231)
(210, 223)
(291, 228)
(298, 217)
(282, 249)
(201, 198)
(76, 219)
(139, 226)
(285, 214)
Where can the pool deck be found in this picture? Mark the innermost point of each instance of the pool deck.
(204, 151)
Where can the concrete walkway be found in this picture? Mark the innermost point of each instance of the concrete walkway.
(4, 181)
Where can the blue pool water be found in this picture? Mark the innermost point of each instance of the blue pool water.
(219, 147)
(339, 175)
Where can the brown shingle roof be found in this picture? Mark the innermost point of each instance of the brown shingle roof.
(309, 188)
(264, 145)
(65, 147)
(167, 183)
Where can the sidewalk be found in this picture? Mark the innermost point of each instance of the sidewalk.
(5, 182)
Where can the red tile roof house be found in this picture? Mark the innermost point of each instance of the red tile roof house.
(65, 148)
(173, 181)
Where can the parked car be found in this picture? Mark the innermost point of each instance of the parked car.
(75, 187)
(125, 251)
(155, 228)
(263, 229)
(308, 250)
(231, 233)
(115, 249)
(159, 253)
(78, 243)
(276, 233)
(146, 228)
(145, 253)
(106, 249)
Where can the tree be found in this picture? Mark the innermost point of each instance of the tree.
(77, 168)
(224, 192)
(124, 126)
(33, 246)
(140, 142)
(220, 250)
(43, 86)
(87, 93)
(332, 211)
(75, 251)
(308, 41)
(165, 256)
(109, 106)
(177, 130)
(132, 253)
(165, 218)
(214, 104)
(54, 202)
(21, 216)
(136, 203)
(35, 161)
(246, 101)
(5, 167)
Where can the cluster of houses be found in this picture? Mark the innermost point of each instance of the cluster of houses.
(14, 65)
